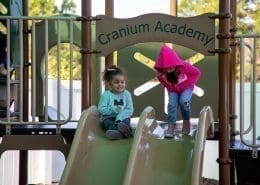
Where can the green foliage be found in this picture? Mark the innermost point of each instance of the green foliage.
(197, 7)
(248, 16)
(257, 17)
(48, 8)
(248, 12)
(64, 63)
(3, 9)
(41, 7)
(2, 29)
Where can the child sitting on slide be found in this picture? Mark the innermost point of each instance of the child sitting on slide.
(115, 105)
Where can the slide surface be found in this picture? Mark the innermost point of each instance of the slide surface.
(144, 160)
(162, 161)
(93, 159)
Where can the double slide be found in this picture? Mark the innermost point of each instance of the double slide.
(141, 160)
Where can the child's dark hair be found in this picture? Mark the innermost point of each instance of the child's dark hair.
(112, 71)
(173, 76)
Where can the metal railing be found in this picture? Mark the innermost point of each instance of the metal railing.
(9, 21)
(252, 126)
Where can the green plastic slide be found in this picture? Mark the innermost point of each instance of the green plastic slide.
(93, 159)
(166, 161)
(145, 160)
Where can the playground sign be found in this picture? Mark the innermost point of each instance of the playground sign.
(197, 33)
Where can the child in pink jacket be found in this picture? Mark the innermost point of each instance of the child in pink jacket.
(179, 78)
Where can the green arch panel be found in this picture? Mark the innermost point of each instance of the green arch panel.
(52, 41)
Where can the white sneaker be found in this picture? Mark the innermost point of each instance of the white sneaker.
(3, 71)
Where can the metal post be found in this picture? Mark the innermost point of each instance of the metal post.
(8, 23)
(21, 70)
(224, 161)
(86, 58)
(58, 127)
(58, 71)
(174, 7)
(173, 12)
(71, 72)
(46, 53)
(109, 10)
(232, 85)
(253, 98)
(23, 157)
(33, 83)
(26, 63)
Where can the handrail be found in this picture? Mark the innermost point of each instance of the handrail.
(252, 125)
(46, 20)
(242, 67)
(8, 69)
(39, 18)
(256, 35)
(206, 120)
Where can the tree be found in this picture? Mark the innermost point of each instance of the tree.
(64, 61)
(3, 11)
(249, 16)
(42, 7)
(68, 6)
(189, 8)
(248, 12)
(48, 8)
(248, 21)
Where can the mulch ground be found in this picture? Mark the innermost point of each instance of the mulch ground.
(209, 182)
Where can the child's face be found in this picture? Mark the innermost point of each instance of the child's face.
(117, 84)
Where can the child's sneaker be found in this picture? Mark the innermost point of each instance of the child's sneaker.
(124, 129)
(186, 127)
(114, 134)
(3, 71)
(170, 132)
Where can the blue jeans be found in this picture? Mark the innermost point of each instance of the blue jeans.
(179, 99)
(110, 124)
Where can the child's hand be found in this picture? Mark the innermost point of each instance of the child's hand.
(182, 78)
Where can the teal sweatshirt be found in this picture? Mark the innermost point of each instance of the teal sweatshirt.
(119, 106)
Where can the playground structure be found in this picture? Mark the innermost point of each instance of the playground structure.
(17, 132)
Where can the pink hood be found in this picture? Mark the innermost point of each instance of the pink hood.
(167, 58)
(189, 74)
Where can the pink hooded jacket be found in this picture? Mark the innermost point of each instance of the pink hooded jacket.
(188, 76)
